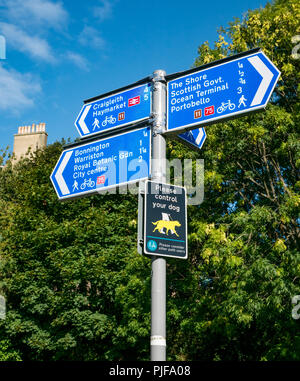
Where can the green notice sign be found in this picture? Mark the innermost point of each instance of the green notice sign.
(165, 224)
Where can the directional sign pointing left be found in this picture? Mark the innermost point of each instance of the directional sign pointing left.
(59, 174)
(115, 111)
(89, 168)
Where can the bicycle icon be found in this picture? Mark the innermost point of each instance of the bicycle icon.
(226, 105)
(87, 183)
(108, 119)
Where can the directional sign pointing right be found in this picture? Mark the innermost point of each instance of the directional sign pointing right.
(267, 76)
(234, 86)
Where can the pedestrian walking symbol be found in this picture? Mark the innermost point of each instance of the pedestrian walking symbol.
(242, 101)
(96, 124)
(75, 186)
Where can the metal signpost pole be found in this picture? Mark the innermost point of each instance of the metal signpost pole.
(158, 281)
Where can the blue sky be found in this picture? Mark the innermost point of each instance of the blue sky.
(59, 53)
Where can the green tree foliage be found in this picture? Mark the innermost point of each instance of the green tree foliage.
(75, 287)
(64, 266)
(244, 238)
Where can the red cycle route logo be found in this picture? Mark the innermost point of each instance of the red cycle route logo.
(100, 180)
(209, 110)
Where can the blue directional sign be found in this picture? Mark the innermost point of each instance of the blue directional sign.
(194, 138)
(102, 164)
(115, 111)
(225, 90)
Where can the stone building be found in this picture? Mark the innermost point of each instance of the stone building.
(33, 137)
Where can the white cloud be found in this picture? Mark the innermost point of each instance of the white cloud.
(78, 60)
(17, 91)
(28, 12)
(21, 41)
(91, 37)
(103, 10)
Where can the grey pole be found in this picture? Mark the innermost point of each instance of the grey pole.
(158, 170)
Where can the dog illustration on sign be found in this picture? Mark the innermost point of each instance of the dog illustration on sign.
(165, 223)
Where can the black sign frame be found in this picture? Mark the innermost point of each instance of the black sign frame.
(165, 237)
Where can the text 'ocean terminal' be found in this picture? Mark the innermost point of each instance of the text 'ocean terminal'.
(194, 91)
(232, 87)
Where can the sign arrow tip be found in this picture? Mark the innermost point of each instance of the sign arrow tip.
(267, 76)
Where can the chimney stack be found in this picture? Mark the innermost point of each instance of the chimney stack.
(34, 128)
(33, 137)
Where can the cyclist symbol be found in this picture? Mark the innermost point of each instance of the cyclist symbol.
(87, 183)
(226, 105)
(108, 119)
